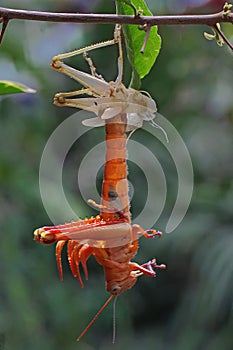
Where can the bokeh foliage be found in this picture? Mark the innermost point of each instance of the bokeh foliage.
(12, 87)
(189, 306)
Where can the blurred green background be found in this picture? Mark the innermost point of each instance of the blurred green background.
(188, 306)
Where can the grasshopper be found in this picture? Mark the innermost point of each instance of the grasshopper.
(110, 237)
(107, 99)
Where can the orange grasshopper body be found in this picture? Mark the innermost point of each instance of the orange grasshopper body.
(110, 237)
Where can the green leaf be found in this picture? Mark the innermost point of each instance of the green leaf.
(11, 87)
(128, 2)
(141, 62)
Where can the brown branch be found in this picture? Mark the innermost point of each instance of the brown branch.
(209, 20)
(7, 14)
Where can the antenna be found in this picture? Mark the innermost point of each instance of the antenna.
(114, 321)
(95, 317)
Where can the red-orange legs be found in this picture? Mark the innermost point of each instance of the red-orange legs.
(145, 269)
(77, 253)
(137, 230)
(117, 212)
(59, 248)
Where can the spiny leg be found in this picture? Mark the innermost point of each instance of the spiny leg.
(76, 93)
(152, 264)
(95, 85)
(56, 60)
(91, 66)
(146, 233)
(145, 269)
(120, 213)
(59, 248)
(62, 97)
(84, 255)
(117, 36)
(78, 253)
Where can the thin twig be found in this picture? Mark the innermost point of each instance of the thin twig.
(5, 22)
(223, 37)
(147, 30)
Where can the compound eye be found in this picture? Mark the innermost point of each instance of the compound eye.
(115, 289)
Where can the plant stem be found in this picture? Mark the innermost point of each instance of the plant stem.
(209, 19)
